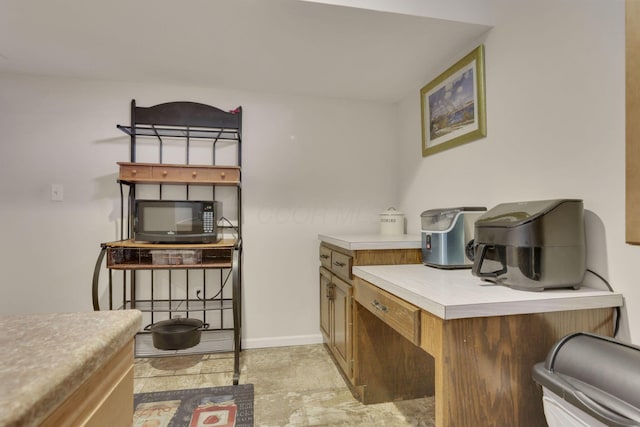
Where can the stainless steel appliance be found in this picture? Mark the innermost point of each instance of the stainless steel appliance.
(176, 221)
(532, 245)
(445, 235)
(590, 380)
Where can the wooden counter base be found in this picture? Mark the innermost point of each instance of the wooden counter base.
(388, 366)
(484, 364)
(104, 400)
(479, 368)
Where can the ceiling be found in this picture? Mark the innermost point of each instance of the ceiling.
(285, 46)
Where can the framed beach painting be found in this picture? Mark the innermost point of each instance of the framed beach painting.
(453, 105)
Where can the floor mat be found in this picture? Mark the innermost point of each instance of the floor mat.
(226, 406)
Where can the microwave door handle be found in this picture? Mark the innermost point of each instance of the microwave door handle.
(482, 249)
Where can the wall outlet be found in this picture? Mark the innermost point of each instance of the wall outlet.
(57, 192)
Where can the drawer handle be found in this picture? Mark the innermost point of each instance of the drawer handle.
(339, 264)
(324, 256)
(330, 294)
(194, 174)
(381, 307)
(165, 173)
(222, 175)
(133, 172)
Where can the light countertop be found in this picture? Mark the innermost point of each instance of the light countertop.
(46, 357)
(454, 294)
(355, 242)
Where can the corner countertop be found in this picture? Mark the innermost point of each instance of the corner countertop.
(455, 294)
(354, 242)
(44, 358)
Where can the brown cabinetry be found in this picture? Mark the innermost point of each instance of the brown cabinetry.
(154, 173)
(325, 302)
(104, 398)
(632, 98)
(337, 306)
(335, 318)
(403, 317)
(474, 353)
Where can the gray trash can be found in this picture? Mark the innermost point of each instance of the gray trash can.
(590, 380)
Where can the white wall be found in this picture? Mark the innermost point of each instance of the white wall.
(555, 111)
(309, 166)
(555, 120)
(477, 11)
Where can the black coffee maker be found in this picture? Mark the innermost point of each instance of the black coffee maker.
(532, 245)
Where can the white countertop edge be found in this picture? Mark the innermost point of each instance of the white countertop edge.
(596, 298)
(356, 242)
(418, 300)
(530, 307)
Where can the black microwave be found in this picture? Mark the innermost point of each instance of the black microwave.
(176, 221)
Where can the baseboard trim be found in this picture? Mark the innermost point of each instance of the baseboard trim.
(281, 341)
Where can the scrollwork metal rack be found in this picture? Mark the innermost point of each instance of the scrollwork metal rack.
(164, 290)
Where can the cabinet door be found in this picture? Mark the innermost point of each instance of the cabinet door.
(325, 303)
(633, 126)
(342, 342)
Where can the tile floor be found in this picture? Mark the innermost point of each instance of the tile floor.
(294, 386)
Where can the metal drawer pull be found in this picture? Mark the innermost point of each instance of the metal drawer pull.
(376, 304)
(323, 256)
(339, 264)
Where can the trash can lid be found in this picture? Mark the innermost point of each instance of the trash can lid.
(600, 375)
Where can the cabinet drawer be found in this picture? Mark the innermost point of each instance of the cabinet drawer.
(341, 265)
(166, 173)
(218, 175)
(132, 171)
(179, 174)
(325, 257)
(395, 312)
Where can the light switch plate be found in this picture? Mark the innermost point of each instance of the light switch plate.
(57, 192)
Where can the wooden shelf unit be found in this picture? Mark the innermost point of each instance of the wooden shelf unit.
(162, 173)
(132, 255)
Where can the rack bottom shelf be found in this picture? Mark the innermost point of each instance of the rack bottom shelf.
(210, 342)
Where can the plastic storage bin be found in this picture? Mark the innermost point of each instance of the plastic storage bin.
(176, 257)
(590, 380)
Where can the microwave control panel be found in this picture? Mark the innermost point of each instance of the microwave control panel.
(207, 222)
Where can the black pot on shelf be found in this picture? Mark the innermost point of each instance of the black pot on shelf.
(176, 334)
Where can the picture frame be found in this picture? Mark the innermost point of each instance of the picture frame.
(453, 107)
